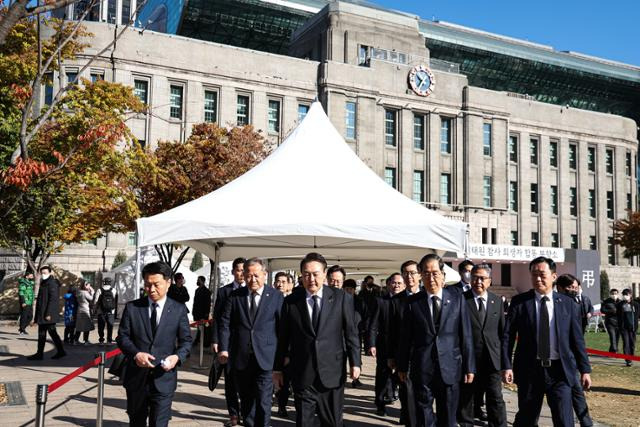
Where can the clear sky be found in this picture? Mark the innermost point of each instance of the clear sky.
(607, 29)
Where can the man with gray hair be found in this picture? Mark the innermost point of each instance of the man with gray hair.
(487, 326)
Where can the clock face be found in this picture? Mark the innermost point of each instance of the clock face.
(421, 80)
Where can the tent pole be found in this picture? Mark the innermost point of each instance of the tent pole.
(214, 276)
(136, 282)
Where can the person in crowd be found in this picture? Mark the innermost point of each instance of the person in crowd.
(178, 291)
(628, 311)
(609, 309)
(487, 324)
(376, 343)
(397, 309)
(230, 391)
(155, 337)
(84, 323)
(550, 348)
(505, 304)
(201, 307)
(436, 346)
(464, 269)
(47, 313)
(586, 307)
(284, 283)
(26, 286)
(336, 276)
(568, 285)
(248, 340)
(104, 303)
(70, 313)
(316, 324)
(359, 310)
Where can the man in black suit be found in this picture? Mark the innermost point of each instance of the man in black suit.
(177, 290)
(154, 336)
(609, 308)
(586, 307)
(376, 343)
(316, 333)
(436, 346)
(47, 313)
(550, 348)
(464, 269)
(487, 324)
(248, 337)
(202, 309)
(230, 390)
(628, 311)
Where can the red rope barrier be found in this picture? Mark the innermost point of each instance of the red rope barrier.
(612, 355)
(62, 381)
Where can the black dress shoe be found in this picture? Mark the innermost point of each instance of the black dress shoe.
(36, 356)
(481, 415)
(381, 412)
(356, 383)
(282, 413)
(59, 355)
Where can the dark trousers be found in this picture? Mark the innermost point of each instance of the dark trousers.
(383, 385)
(486, 380)
(85, 336)
(255, 386)
(69, 333)
(147, 402)
(579, 403)
(26, 316)
(284, 392)
(53, 333)
(628, 341)
(326, 402)
(446, 397)
(231, 391)
(535, 384)
(105, 320)
(407, 401)
(614, 336)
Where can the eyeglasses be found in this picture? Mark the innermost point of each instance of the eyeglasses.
(411, 273)
(480, 278)
(431, 274)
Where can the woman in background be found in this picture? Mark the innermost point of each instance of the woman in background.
(84, 323)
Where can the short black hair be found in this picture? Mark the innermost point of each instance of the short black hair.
(157, 267)
(542, 259)
(285, 275)
(349, 283)
(367, 278)
(431, 257)
(335, 268)
(313, 257)
(390, 278)
(626, 292)
(45, 266)
(406, 264)
(566, 280)
(613, 290)
(202, 279)
(237, 261)
(462, 266)
(178, 275)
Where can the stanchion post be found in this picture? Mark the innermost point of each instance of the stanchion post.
(42, 391)
(201, 327)
(99, 415)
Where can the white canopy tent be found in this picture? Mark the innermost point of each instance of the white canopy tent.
(343, 209)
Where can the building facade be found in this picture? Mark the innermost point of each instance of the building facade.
(520, 169)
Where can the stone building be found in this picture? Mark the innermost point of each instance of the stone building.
(529, 145)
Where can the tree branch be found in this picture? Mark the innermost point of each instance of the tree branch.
(34, 10)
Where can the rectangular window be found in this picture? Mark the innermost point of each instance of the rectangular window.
(535, 239)
(505, 274)
(350, 120)
(210, 106)
(390, 176)
(513, 196)
(89, 276)
(486, 192)
(627, 164)
(486, 139)
(593, 243)
(418, 131)
(242, 110)
(513, 148)
(175, 102)
(445, 134)
(364, 56)
(629, 203)
(555, 241)
(554, 199)
(573, 201)
(111, 11)
(611, 251)
(126, 12)
(141, 90)
(610, 210)
(592, 203)
(418, 186)
(608, 161)
(445, 188)
(591, 159)
(534, 198)
(553, 154)
(303, 110)
(574, 241)
(494, 236)
(573, 156)
(533, 151)
(514, 238)
(132, 239)
(72, 77)
(48, 88)
(485, 236)
(96, 75)
(273, 116)
(390, 127)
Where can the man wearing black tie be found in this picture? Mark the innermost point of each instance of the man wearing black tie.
(316, 332)
(487, 322)
(550, 348)
(248, 337)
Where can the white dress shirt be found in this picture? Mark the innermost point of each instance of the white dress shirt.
(258, 297)
(310, 302)
(477, 297)
(430, 301)
(553, 339)
(158, 309)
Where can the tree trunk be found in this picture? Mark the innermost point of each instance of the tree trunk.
(16, 11)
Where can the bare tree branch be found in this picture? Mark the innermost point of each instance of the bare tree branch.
(34, 10)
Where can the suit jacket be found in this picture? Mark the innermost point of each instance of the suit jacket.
(610, 311)
(397, 309)
(201, 303)
(628, 320)
(585, 308)
(487, 334)
(521, 322)
(47, 302)
(377, 332)
(173, 336)
(318, 354)
(218, 308)
(452, 344)
(240, 337)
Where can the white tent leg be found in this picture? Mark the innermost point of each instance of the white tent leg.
(136, 283)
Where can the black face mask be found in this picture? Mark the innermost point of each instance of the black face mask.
(572, 294)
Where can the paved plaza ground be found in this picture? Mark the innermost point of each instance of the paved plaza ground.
(193, 405)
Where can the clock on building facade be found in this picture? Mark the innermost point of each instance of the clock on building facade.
(421, 80)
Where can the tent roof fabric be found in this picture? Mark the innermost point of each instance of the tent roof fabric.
(313, 193)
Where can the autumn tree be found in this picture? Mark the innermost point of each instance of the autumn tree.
(19, 10)
(626, 233)
(211, 157)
